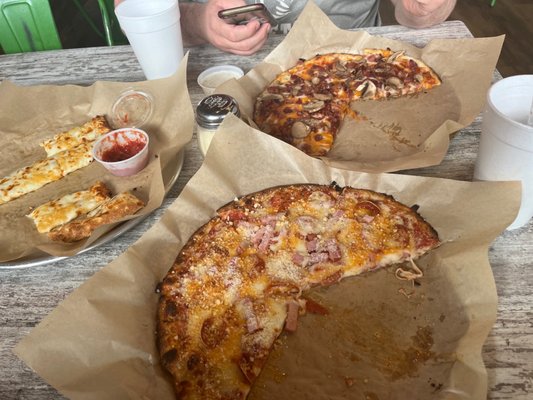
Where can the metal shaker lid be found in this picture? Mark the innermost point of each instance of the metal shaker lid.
(212, 110)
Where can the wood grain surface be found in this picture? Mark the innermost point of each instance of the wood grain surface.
(27, 295)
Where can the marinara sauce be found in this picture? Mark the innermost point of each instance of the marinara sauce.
(123, 151)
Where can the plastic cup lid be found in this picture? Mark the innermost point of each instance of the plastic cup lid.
(132, 109)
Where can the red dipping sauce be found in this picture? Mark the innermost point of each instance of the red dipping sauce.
(123, 151)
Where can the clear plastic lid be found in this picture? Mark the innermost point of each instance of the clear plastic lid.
(132, 109)
(212, 110)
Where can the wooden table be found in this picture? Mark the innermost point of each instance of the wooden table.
(27, 295)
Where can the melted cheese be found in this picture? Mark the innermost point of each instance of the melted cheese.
(64, 209)
(28, 179)
(75, 158)
(88, 132)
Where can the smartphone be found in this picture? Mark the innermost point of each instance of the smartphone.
(243, 15)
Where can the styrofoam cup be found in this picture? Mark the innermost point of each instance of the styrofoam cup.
(154, 32)
(506, 145)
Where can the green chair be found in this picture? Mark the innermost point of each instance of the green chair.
(27, 25)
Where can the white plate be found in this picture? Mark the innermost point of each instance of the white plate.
(107, 237)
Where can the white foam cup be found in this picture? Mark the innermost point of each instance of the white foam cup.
(506, 145)
(153, 30)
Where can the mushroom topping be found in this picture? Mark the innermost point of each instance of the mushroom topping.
(272, 96)
(419, 78)
(315, 80)
(395, 82)
(395, 55)
(339, 65)
(367, 89)
(314, 106)
(322, 96)
(359, 75)
(300, 130)
(310, 121)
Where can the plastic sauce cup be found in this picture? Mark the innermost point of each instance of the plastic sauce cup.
(123, 152)
(213, 77)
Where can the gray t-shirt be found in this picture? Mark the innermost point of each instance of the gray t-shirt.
(345, 14)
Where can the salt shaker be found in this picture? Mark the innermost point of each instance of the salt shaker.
(210, 113)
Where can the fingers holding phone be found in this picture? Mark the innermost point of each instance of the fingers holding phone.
(242, 39)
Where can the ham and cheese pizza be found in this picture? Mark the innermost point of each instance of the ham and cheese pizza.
(67, 152)
(238, 281)
(305, 105)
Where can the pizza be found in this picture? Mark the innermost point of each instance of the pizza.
(306, 104)
(64, 209)
(110, 211)
(241, 278)
(67, 152)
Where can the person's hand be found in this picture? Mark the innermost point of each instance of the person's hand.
(422, 8)
(422, 13)
(201, 23)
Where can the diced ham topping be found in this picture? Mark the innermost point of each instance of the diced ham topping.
(317, 258)
(298, 259)
(291, 323)
(311, 243)
(262, 237)
(333, 250)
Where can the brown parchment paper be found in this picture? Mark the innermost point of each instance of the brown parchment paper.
(29, 115)
(395, 134)
(99, 343)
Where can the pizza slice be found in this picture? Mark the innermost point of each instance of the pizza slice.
(110, 211)
(387, 74)
(88, 132)
(68, 207)
(239, 279)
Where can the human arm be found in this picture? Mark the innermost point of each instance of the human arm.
(200, 24)
(422, 13)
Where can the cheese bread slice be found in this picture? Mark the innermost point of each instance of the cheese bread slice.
(75, 158)
(88, 132)
(28, 179)
(64, 209)
(110, 211)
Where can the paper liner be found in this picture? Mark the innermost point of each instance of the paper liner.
(29, 115)
(395, 134)
(383, 338)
